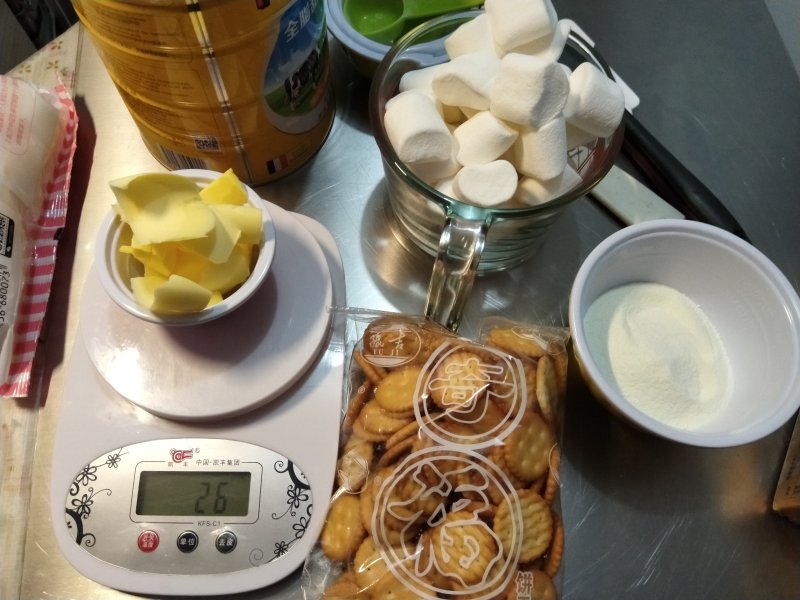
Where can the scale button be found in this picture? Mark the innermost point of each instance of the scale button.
(147, 541)
(187, 541)
(226, 542)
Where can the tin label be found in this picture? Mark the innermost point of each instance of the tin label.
(296, 80)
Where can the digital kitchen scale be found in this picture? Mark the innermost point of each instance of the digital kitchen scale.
(200, 460)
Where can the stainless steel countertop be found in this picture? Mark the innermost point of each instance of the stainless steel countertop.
(645, 518)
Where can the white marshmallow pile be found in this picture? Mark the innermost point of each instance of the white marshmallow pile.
(493, 125)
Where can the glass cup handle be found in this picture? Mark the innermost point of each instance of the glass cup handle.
(460, 248)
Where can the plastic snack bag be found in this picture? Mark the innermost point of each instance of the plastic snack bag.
(37, 145)
(447, 481)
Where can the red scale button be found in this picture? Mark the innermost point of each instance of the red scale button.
(147, 540)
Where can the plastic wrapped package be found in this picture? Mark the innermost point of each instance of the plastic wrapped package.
(447, 476)
(37, 145)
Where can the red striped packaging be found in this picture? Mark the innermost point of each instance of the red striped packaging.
(40, 264)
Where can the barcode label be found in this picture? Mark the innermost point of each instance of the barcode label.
(181, 161)
(6, 235)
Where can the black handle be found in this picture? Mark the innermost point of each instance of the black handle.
(674, 181)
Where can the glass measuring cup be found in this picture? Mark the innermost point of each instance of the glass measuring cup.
(467, 240)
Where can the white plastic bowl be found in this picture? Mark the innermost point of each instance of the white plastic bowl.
(750, 303)
(114, 268)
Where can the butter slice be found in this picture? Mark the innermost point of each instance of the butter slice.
(246, 218)
(235, 271)
(162, 207)
(144, 289)
(180, 295)
(151, 256)
(787, 493)
(217, 245)
(225, 189)
(216, 277)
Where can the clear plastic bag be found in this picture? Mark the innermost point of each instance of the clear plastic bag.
(37, 145)
(447, 476)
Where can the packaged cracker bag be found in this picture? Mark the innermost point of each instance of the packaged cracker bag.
(447, 482)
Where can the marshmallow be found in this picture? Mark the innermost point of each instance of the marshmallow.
(488, 185)
(517, 22)
(595, 103)
(542, 153)
(418, 80)
(472, 36)
(528, 90)
(533, 192)
(482, 139)
(433, 171)
(466, 80)
(445, 186)
(548, 47)
(416, 130)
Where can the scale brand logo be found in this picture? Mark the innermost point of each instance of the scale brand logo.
(180, 455)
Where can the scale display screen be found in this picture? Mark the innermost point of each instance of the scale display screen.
(193, 493)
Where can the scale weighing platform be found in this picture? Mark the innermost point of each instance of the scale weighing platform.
(187, 460)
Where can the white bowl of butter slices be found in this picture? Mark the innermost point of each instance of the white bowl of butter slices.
(184, 247)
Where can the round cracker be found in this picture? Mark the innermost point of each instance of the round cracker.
(527, 448)
(368, 565)
(536, 528)
(356, 403)
(551, 487)
(403, 433)
(556, 552)
(354, 464)
(561, 365)
(547, 389)
(453, 542)
(459, 379)
(365, 434)
(510, 341)
(343, 530)
(397, 390)
(393, 453)
(379, 421)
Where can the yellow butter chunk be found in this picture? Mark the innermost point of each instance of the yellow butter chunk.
(218, 244)
(246, 218)
(162, 207)
(180, 295)
(144, 289)
(216, 277)
(234, 272)
(190, 265)
(226, 189)
(154, 257)
(216, 298)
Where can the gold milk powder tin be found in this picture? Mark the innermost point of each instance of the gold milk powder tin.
(218, 84)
